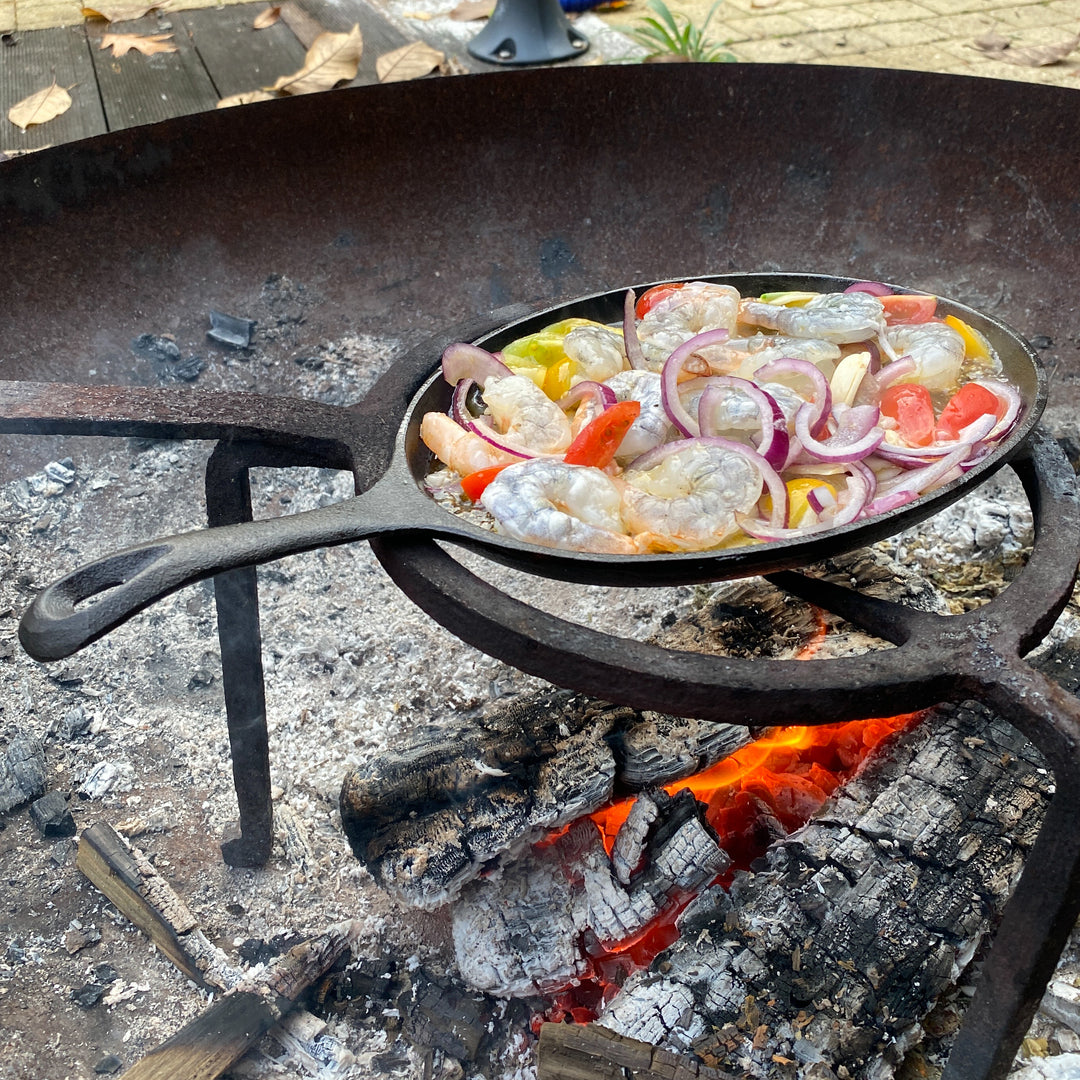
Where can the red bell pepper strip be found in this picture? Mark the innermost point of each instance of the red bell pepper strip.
(473, 485)
(598, 440)
(965, 407)
(910, 406)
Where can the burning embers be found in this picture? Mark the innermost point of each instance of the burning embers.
(572, 918)
(821, 942)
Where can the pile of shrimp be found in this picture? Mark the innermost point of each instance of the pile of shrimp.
(759, 419)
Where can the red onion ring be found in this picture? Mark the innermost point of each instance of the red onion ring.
(857, 436)
(669, 379)
(602, 395)
(874, 288)
(1009, 396)
(631, 342)
(458, 408)
(483, 428)
(858, 493)
(822, 394)
(464, 361)
(898, 369)
(773, 436)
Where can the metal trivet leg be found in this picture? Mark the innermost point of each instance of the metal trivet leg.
(236, 595)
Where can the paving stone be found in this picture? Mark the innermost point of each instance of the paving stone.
(766, 26)
(852, 42)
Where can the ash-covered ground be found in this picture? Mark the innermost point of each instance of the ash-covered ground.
(133, 733)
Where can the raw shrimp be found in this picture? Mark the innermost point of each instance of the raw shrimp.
(526, 415)
(938, 352)
(842, 318)
(544, 501)
(597, 352)
(687, 311)
(689, 500)
(651, 427)
(462, 450)
(750, 353)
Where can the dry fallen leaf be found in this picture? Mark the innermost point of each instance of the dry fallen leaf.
(41, 107)
(266, 18)
(246, 98)
(991, 41)
(472, 9)
(412, 61)
(764, 3)
(999, 48)
(119, 13)
(332, 58)
(423, 16)
(147, 44)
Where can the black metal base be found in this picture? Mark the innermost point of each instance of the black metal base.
(527, 32)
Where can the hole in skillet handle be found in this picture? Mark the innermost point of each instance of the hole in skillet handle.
(55, 626)
(1020, 366)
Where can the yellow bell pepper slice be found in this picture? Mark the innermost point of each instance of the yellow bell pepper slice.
(975, 345)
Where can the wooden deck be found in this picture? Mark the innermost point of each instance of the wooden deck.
(218, 54)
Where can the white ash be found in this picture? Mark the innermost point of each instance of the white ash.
(351, 668)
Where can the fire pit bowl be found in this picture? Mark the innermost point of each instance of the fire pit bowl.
(544, 185)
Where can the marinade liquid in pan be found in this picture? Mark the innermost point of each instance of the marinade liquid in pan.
(709, 420)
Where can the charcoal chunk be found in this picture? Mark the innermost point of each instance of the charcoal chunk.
(22, 773)
(51, 815)
(108, 1065)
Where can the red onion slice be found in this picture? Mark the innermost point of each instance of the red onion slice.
(464, 361)
(669, 379)
(856, 497)
(602, 395)
(501, 442)
(898, 369)
(458, 407)
(822, 393)
(857, 436)
(874, 288)
(773, 434)
(1010, 398)
(630, 337)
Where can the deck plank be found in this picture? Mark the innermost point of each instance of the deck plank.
(237, 57)
(29, 66)
(137, 89)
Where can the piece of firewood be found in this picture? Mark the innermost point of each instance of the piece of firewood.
(130, 881)
(588, 1052)
(216, 1039)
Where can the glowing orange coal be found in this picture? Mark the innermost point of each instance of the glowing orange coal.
(773, 786)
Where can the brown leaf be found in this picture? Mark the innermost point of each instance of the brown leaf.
(267, 17)
(147, 44)
(1040, 55)
(119, 12)
(991, 41)
(764, 3)
(245, 98)
(412, 61)
(472, 9)
(41, 107)
(332, 58)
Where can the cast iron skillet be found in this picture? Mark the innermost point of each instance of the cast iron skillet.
(95, 598)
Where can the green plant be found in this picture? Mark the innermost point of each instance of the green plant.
(677, 36)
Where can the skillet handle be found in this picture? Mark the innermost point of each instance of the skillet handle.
(96, 598)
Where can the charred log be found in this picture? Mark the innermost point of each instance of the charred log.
(534, 928)
(431, 818)
(832, 950)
